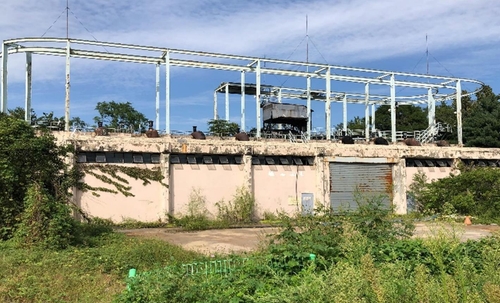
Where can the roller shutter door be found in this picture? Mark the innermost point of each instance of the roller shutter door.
(349, 181)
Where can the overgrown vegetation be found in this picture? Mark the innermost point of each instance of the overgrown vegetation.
(471, 191)
(357, 260)
(239, 210)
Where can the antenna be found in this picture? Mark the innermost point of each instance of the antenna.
(307, 44)
(427, 53)
(67, 19)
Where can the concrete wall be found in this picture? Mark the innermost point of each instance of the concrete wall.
(279, 187)
(203, 182)
(144, 206)
(271, 189)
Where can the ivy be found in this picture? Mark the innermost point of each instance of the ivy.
(109, 174)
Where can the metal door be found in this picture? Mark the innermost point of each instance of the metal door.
(355, 183)
(307, 203)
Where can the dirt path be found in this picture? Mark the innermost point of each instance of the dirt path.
(248, 239)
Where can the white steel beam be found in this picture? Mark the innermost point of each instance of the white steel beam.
(157, 112)
(328, 106)
(3, 94)
(227, 102)
(459, 113)
(431, 108)
(257, 99)
(367, 112)
(242, 106)
(373, 118)
(68, 87)
(344, 114)
(27, 95)
(308, 91)
(216, 115)
(393, 110)
(167, 93)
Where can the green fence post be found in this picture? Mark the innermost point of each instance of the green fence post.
(131, 275)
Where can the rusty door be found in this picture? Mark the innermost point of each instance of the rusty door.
(354, 183)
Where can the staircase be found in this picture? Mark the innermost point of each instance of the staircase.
(432, 132)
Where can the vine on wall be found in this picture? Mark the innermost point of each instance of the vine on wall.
(109, 174)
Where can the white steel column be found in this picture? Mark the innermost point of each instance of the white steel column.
(279, 95)
(344, 114)
(242, 107)
(27, 96)
(157, 114)
(431, 108)
(393, 110)
(373, 118)
(308, 90)
(257, 99)
(68, 86)
(367, 111)
(328, 119)
(227, 101)
(3, 94)
(459, 113)
(167, 93)
(215, 106)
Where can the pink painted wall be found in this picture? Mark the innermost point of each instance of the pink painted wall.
(144, 206)
(279, 187)
(432, 173)
(211, 183)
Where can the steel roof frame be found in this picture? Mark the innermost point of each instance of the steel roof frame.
(243, 64)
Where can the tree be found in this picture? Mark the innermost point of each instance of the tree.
(356, 123)
(482, 123)
(19, 113)
(34, 185)
(223, 128)
(78, 122)
(408, 118)
(118, 115)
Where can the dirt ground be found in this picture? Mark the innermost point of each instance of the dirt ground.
(239, 240)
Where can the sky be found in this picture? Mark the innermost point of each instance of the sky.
(462, 40)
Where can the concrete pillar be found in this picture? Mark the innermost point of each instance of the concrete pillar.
(399, 187)
(242, 105)
(166, 202)
(459, 113)
(393, 110)
(248, 174)
(68, 87)
(321, 195)
(157, 113)
(3, 75)
(27, 96)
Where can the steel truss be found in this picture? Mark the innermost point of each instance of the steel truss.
(77, 48)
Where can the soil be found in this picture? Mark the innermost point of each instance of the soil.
(238, 240)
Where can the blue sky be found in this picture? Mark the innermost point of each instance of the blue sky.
(463, 41)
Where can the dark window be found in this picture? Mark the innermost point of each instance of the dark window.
(100, 158)
(81, 158)
(191, 159)
(138, 158)
(269, 161)
(255, 161)
(208, 160)
(297, 161)
(238, 159)
(429, 163)
(174, 159)
(284, 161)
(155, 158)
(223, 160)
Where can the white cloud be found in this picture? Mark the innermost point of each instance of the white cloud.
(463, 35)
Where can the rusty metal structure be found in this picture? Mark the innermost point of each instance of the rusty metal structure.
(425, 89)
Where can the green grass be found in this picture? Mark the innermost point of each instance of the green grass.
(81, 274)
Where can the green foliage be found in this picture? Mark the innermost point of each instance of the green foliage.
(240, 210)
(114, 114)
(110, 174)
(408, 118)
(474, 191)
(27, 159)
(223, 128)
(482, 125)
(93, 271)
(45, 221)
